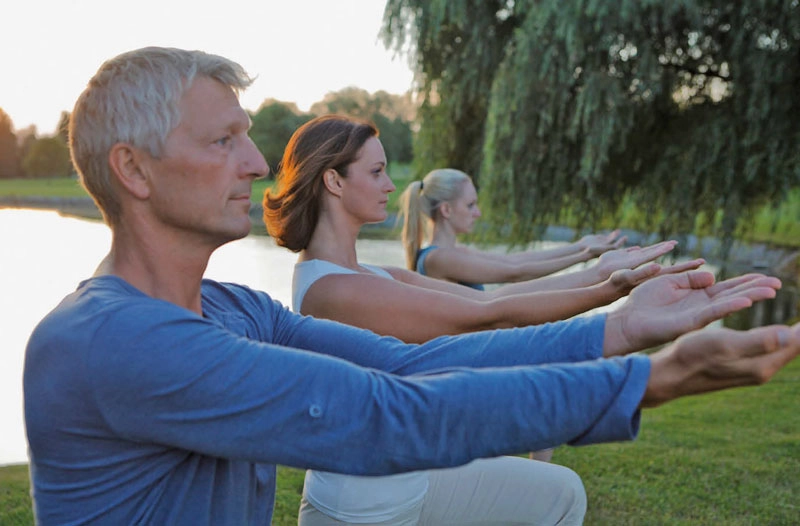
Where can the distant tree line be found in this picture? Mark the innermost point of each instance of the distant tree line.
(275, 121)
(24, 154)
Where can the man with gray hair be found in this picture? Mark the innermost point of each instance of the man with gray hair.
(155, 396)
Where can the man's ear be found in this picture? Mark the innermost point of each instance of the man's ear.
(128, 168)
(333, 181)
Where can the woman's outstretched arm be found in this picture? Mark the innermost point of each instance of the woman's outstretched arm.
(417, 314)
(606, 265)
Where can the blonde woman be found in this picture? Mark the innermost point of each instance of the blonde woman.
(444, 205)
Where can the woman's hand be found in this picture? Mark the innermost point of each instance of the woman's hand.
(625, 280)
(630, 257)
(597, 244)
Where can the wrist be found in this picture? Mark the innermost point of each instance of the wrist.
(665, 375)
(615, 342)
(613, 290)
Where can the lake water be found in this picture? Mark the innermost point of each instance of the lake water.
(43, 257)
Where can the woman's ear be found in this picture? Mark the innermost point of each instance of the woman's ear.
(128, 167)
(333, 181)
(445, 209)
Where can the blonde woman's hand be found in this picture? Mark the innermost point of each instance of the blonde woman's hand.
(631, 257)
(597, 244)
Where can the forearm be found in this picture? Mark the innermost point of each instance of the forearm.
(544, 254)
(568, 280)
(541, 307)
(529, 270)
(575, 340)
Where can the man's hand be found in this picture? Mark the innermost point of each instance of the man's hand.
(665, 307)
(716, 359)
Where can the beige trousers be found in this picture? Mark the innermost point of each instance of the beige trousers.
(498, 491)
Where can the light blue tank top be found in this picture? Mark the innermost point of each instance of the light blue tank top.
(350, 498)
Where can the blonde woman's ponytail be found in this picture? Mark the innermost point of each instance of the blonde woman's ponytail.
(413, 223)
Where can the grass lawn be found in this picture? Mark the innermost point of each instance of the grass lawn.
(51, 187)
(729, 458)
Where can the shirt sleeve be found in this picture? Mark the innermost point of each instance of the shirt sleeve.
(575, 340)
(166, 376)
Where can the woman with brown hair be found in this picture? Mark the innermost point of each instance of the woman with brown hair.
(332, 181)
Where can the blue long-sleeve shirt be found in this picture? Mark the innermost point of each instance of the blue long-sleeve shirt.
(140, 411)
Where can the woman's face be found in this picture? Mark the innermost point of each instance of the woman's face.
(367, 186)
(464, 209)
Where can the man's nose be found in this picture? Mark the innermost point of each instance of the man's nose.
(254, 163)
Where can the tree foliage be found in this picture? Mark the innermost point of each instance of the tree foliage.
(392, 114)
(47, 157)
(9, 151)
(273, 125)
(62, 128)
(688, 108)
(275, 121)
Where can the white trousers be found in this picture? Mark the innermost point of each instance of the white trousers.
(496, 491)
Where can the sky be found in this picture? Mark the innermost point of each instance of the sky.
(298, 50)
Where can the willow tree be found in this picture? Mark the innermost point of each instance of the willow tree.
(688, 108)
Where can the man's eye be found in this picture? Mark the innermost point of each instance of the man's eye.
(222, 141)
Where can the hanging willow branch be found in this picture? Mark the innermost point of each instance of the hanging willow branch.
(570, 108)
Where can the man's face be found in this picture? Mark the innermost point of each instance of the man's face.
(202, 182)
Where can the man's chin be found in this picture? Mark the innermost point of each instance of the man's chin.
(232, 234)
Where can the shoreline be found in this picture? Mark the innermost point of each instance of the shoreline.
(781, 262)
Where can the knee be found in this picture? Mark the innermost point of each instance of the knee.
(572, 498)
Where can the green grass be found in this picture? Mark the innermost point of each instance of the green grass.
(729, 458)
(15, 501)
(50, 187)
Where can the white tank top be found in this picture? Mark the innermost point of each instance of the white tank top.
(350, 498)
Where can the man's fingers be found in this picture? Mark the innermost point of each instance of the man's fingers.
(767, 349)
